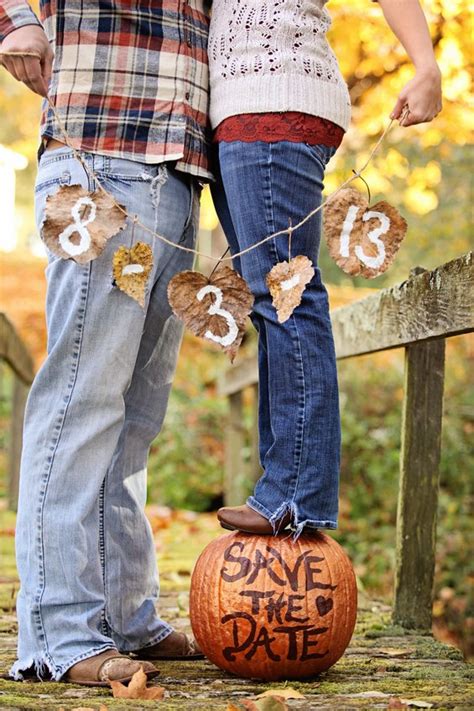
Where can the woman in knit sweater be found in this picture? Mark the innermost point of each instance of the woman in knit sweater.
(279, 108)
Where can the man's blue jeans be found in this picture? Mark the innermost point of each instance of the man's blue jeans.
(261, 187)
(85, 551)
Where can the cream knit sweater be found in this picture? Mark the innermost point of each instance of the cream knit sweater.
(273, 55)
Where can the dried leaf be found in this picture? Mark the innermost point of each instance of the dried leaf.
(370, 694)
(131, 269)
(270, 703)
(395, 703)
(395, 652)
(285, 693)
(362, 240)
(417, 703)
(137, 688)
(215, 308)
(79, 223)
(287, 282)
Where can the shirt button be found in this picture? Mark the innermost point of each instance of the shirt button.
(187, 96)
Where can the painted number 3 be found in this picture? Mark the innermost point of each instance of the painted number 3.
(215, 310)
(373, 236)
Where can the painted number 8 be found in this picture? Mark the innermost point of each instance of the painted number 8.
(373, 236)
(215, 310)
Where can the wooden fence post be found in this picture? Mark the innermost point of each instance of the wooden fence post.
(255, 468)
(419, 481)
(234, 494)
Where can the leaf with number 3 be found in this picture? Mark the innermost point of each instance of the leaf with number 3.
(79, 223)
(215, 309)
(362, 240)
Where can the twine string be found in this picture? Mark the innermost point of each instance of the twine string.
(288, 231)
(290, 235)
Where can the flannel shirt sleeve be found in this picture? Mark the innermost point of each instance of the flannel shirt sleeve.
(15, 14)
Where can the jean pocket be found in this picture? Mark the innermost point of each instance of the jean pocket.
(53, 175)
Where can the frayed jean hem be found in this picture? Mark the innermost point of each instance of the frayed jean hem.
(150, 643)
(43, 664)
(289, 507)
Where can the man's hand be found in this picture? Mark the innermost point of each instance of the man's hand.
(35, 72)
(422, 95)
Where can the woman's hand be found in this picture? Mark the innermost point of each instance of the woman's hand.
(422, 96)
(35, 72)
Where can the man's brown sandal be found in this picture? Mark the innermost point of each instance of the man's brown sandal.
(106, 667)
(177, 647)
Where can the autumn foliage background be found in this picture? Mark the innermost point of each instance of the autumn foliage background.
(424, 171)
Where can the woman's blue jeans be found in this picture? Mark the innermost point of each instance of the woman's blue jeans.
(260, 188)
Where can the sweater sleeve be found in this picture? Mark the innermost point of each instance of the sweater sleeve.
(15, 14)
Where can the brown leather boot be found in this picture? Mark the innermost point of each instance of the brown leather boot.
(245, 519)
(177, 646)
(108, 666)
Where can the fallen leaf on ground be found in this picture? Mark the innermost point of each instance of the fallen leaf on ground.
(394, 651)
(269, 703)
(396, 703)
(417, 703)
(285, 693)
(137, 688)
(369, 694)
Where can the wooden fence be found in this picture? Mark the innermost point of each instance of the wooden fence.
(14, 352)
(418, 314)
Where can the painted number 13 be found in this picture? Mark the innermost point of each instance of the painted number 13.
(373, 236)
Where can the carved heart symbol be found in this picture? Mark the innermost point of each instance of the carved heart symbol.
(78, 223)
(287, 282)
(324, 605)
(215, 308)
(131, 269)
(362, 240)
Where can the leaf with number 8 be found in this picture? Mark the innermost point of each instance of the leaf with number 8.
(362, 240)
(79, 223)
(214, 308)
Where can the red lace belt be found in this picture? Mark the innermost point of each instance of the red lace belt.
(271, 127)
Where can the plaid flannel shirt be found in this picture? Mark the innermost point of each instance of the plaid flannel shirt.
(130, 79)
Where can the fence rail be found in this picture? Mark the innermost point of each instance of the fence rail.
(14, 352)
(418, 314)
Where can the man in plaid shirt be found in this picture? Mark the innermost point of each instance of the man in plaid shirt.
(129, 81)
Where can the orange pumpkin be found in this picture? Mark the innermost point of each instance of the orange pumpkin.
(271, 608)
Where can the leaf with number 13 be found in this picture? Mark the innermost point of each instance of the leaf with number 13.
(362, 240)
